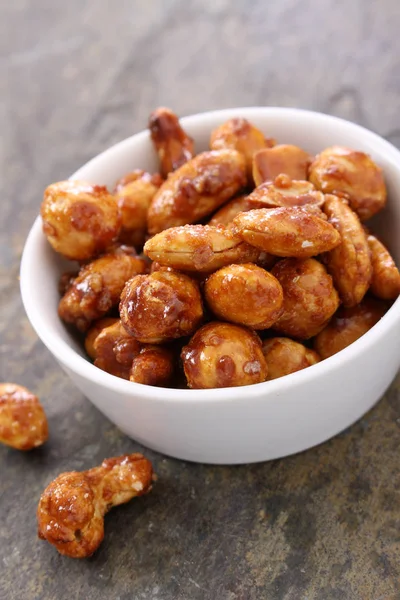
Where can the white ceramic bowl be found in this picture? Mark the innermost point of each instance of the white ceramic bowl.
(244, 424)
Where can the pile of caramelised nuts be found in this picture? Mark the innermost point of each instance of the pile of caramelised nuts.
(261, 264)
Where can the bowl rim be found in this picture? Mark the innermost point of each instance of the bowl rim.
(73, 361)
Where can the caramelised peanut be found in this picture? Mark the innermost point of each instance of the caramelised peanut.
(349, 263)
(72, 508)
(154, 365)
(244, 294)
(155, 266)
(174, 147)
(66, 280)
(197, 189)
(294, 231)
(161, 306)
(114, 350)
(285, 356)
(345, 172)
(239, 134)
(94, 331)
(118, 248)
(223, 355)
(202, 248)
(98, 288)
(134, 193)
(23, 423)
(309, 298)
(283, 158)
(228, 212)
(79, 219)
(347, 325)
(385, 281)
(285, 192)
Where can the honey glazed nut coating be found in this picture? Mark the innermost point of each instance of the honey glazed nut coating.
(94, 331)
(97, 288)
(173, 146)
(134, 193)
(244, 294)
(200, 248)
(285, 192)
(239, 134)
(71, 509)
(65, 281)
(197, 189)
(161, 306)
(285, 356)
(115, 350)
(226, 214)
(350, 262)
(80, 220)
(385, 280)
(154, 365)
(268, 163)
(23, 423)
(347, 325)
(352, 174)
(309, 298)
(223, 355)
(292, 232)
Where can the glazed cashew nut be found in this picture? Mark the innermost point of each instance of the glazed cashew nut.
(71, 509)
(23, 423)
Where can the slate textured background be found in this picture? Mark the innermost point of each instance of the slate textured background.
(75, 77)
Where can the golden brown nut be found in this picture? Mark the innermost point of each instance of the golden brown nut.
(197, 189)
(71, 509)
(114, 350)
(173, 145)
(238, 134)
(285, 356)
(118, 248)
(385, 282)
(161, 306)
(347, 325)
(153, 365)
(223, 355)
(134, 193)
(66, 280)
(309, 298)
(283, 158)
(94, 331)
(286, 192)
(202, 248)
(349, 263)
(245, 294)
(98, 288)
(345, 172)
(228, 212)
(23, 423)
(79, 219)
(155, 266)
(292, 231)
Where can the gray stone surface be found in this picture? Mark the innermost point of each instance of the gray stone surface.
(75, 77)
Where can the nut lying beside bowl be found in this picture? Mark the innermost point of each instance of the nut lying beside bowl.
(240, 424)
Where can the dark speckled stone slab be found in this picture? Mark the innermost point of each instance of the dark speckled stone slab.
(75, 77)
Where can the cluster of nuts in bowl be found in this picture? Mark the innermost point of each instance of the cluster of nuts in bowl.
(231, 267)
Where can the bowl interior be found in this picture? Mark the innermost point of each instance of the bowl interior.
(41, 267)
